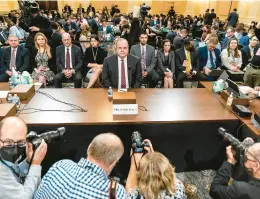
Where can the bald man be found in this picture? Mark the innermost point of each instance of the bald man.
(239, 189)
(69, 62)
(17, 180)
(89, 177)
(122, 70)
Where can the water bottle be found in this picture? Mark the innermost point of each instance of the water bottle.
(10, 98)
(16, 100)
(10, 83)
(110, 92)
(230, 100)
(30, 80)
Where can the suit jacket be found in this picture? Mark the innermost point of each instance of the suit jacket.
(177, 42)
(232, 19)
(76, 56)
(238, 190)
(225, 42)
(161, 59)
(110, 71)
(149, 56)
(246, 56)
(73, 26)
(244, 40)
(108, 30)
(22, 59)
(82, 10)
(93, 10)
(67, 9)
(203, 57)
(211, 17)
(181, 56)
(206, 18)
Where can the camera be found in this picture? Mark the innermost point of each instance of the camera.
(238, 146)
(48, 137)
(144, 9)
(137, 143)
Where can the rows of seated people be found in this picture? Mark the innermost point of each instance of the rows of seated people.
(53, 54)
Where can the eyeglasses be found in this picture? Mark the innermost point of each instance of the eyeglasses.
(11, 143)
(248, 159)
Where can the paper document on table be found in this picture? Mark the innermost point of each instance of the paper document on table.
(246, 89)
(3, 94)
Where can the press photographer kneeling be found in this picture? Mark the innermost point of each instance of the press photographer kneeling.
(151, 175)
(249, 158)
(18, 180)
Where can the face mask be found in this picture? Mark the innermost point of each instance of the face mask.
(248, 171)
(12, 154)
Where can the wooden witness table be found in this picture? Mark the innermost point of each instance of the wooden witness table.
(254, 107)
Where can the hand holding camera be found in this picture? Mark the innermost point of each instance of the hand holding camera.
(39, 154)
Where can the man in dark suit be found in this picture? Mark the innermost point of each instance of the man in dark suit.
(229, 35)
(212, 16)
(67, 9)
(69, 62)
(15, 58)
(91, 9)
(233, 18)
(209, 58)
(122, 70)
(80, 10)
(70, 26)
(206, 17)
(249, 51)
(178, 40)
(146, 53)
(187, 63)
(250, 189)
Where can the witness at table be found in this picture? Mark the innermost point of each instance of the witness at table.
(166, 64)
(231, 57)
(93, 60)
(69, 63)
(42, 60)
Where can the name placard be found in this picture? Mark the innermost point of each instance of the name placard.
(125, 109)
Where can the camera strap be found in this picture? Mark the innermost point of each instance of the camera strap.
(112, 189)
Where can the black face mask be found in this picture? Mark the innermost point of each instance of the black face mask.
(12, 154)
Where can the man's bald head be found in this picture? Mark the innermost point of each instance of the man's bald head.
(106, 148)
(66, 39)
(13, 128)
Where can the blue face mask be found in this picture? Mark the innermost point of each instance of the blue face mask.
(12, 154)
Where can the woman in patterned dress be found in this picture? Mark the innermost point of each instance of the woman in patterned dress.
(151, 176)
(42, 60)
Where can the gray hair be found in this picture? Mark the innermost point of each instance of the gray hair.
(255, 150)
(13, 36)
(106, 148)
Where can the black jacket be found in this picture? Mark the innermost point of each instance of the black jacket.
(246, 56)
(238, 190)
(43, 23)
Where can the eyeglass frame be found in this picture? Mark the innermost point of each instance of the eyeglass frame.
(14, 143)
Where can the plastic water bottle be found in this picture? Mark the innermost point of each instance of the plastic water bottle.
(10, 98)
(10, 83)
(230, 100)
(16, 100)
(30, 80)
(110, 92)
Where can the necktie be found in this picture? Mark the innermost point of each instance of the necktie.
(13, 59)
(143, 59)
(188, 60)
(123, 78)
(68, 59)
(252, 52)
(211, 59)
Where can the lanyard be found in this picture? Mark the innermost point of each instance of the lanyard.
(94, 55)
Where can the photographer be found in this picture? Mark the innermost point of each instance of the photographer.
(152, 176)
(238, 189)
(18, 180)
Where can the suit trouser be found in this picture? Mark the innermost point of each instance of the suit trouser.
(252, 77)
(153, 78)
(60, 77)
(182, 77)
(4, 77)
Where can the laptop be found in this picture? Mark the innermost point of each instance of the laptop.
(233, 88)
(216, 73)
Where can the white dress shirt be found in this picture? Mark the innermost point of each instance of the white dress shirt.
(119, 72)
(70, 56)
(208, 65)
(229, 60)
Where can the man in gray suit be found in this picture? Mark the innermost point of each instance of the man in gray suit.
(233, 18)
(122, 70)
(148, 60)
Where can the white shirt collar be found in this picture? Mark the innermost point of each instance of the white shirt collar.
(119, 59)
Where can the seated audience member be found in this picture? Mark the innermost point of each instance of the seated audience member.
(252, 74)
(152, 176)
(18, 180)
(155, 21)
(187, 63)
(229, 35)
(213, 31)
(239, 31)
(69, 62)
(112, 50)
(252, 26)
(249, 51)
(146, 53)
(209, 58)
(84, 36)
(205, 31)
(15, 58)
(95, 25)
(244, 40)
(14, 29)
(166, 64)
(231, 57)
(104, 27)
(70, 26)
(90, 174)
(220, 187)
(148, 30)
(178, 40)
(93, 60)
(173, 33)
(122, 70)
(42, 60)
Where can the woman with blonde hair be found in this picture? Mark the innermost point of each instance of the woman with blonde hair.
(151, 176)
(42, 60)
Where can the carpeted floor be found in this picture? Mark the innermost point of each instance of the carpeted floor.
(197, 183)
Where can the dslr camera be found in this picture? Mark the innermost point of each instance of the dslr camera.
(137, 143)
(48, 137)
